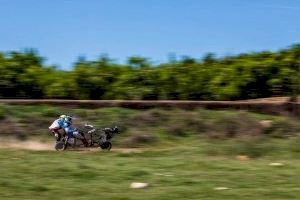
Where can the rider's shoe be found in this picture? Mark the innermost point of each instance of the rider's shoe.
(57, 137)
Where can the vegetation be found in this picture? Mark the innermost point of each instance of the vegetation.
(150, 127)
(181, 154)
(251, 75)
(184, 172)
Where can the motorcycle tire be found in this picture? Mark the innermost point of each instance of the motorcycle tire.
(60, 146)
(106, 146)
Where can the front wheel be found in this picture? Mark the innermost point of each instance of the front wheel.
(106, 146)
(60, 146)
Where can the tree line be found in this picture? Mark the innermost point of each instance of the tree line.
(244, 76)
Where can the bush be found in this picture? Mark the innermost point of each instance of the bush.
(176, 130)
(81, 113)
(137, 140)
(239, 125)
(49, 112)
(149, 118)
(2, 113)
(284, 129)
(251, 147)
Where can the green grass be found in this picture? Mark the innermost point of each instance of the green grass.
(190, 154)
(181, 172)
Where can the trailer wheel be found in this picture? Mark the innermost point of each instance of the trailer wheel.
(106, 146)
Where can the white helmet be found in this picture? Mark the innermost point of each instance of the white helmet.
(62, 117)
(68, 119)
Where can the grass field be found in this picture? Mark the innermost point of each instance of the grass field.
(181, 154)
(178, 172)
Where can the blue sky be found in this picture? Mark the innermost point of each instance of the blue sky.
(62, 30)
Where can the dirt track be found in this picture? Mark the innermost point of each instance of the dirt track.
(26, 145)
(40, 146)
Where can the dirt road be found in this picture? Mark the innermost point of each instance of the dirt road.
(40, 146)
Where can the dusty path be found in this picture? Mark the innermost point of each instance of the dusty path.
(26, 145)
(40, 146)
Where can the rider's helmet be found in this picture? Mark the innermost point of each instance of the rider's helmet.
(68, 119)
(62, 117)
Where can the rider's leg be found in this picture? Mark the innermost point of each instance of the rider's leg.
(72, 133)
(56, 133)
(69, 131)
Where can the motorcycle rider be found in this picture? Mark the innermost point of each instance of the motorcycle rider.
(73, 132)
(57, 125)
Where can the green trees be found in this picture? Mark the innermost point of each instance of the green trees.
(19, 75)
(252, 75)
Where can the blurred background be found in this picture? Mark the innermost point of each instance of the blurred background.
(149, 50)
(235, 64)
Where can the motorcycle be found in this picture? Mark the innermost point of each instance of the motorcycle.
(100, 137)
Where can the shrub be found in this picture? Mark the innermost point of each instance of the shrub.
(49, 112)
(284, 128)
(149, 118)
(137, 140)
(176, 130)
(238, 125)
(2, 113)
(251, 147)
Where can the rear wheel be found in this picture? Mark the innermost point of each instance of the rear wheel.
(106, 146)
